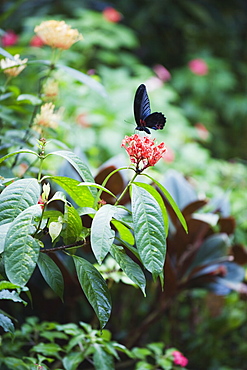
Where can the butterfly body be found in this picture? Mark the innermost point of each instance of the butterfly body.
(142, 112)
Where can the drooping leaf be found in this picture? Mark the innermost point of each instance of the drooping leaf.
(21, 250)
(31, 99)
(172, 203)
(101, 359)
(6, 54)
(78, 165)
(6, 323)
(21, 151)
(11, 295)
(51, 273)
(93, 185)
(73, 227)
(81, 195)
(16, 197)
(102, 236)
(55, 228)
(149, 229)
(95, 289)
(131, 269)
(124, 232)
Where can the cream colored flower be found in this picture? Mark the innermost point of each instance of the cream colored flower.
(57, 34)
(47, 117)
(8, 65)
(50, 89)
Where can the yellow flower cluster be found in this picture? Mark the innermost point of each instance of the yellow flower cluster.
(47, 117)
(13, 67)
(57, 34)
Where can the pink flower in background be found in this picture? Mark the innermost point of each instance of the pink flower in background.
(169, 155)
(162, 72)
(112, 15)
(179, 358)
(36, 42)
(202, 131)
(9, 38)
(198, 67)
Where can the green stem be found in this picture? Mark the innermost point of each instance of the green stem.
(40, 168)
(126, 189)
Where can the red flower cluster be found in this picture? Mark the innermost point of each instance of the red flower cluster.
(143, 151)
(179, 359)
(198, 67)
(9, 38)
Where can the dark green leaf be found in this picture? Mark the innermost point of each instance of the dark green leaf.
(16, 197)
(51, 273)
(95, 289)
(149, 229)
(102, 236)
(73, 227)
(131, 269)
(21, 250)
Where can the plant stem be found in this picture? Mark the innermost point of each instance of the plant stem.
(126, 189)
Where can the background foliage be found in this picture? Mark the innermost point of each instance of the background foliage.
(121, 56)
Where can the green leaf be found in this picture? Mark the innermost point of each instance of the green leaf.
(102, 236)
(51, 273)
(72, 360)
(90, 184)
(13, 296)
(21, 151)
(81, 195)
(3, 232)
(6, 54)
(124, 232)
(73, 228)
(95, 289)
(129, 267)
(6, 323)
(78, 165)
(32, 99)
(55, 228)
(85, 79)
(149, 229)
(16, 197)
(4, 284)
(101, 359)
(21, 250)
(47, 349)
(159, 200)
(172, 203)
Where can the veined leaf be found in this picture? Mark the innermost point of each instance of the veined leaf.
(21, 151)
(51, 273)
(73, 227)
(129, 267)
(78, 165)
(95, 289)
(6, 323)
(16, 197)
(149, 229)
(3, 232)
(172, 203)
(159, 200)
(11, 295)
(21, 250)
(81, 195)
(101, 359)
(102, 236)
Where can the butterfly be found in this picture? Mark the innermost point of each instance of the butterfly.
(142, 111)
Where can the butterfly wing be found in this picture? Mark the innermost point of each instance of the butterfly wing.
(156, 121)
(141, 104)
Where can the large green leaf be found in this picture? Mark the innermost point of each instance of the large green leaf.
(101, 359)
(73, 227)
(80, 194)
(95, 289)
(149, 229)
(102, 236)
(21, 250)
(51, 273)
(3, 232)
(172, 203)
(131, 269)
(16, 197)
(78, 165)
(159, 200)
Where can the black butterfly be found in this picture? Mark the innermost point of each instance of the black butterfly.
(143, 116)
